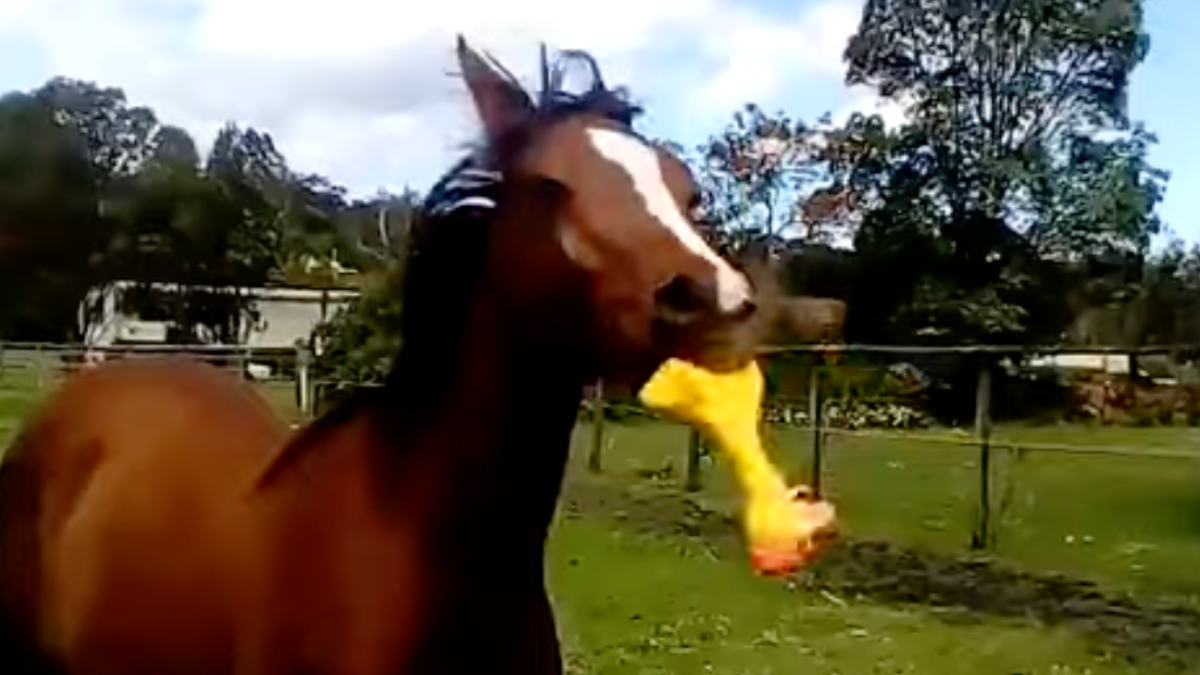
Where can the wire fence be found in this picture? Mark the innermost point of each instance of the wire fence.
(1077, 463)
(284, 373)
(1058, 456)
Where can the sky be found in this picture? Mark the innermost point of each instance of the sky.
(363, 91)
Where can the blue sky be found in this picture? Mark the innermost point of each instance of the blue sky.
(1166, 97)
(362, 94)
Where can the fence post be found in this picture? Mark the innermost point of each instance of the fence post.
(595, 461)
(40, 366)
(983, 432)
(814, 416)
(304, 397)
(1015, 455)
(695, 453)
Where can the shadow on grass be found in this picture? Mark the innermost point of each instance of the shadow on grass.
(971, 587)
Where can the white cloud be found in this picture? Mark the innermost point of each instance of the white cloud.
(13, 9)
(866, 101)
(362, 90)
(762, 52)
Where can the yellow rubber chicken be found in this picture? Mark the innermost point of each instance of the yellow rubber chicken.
(785, 527)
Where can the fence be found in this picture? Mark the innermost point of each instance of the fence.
(1074, 471)
(285, 373)
(949, 398)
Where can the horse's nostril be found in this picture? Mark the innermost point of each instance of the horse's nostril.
(683, 299)
(745, 311)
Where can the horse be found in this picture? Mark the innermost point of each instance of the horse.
(157, 516)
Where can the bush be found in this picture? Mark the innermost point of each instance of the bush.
(852, 415)
(359, 342)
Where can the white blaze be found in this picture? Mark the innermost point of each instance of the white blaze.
(640, 162)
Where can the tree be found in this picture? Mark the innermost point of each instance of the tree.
(358, 343)
(174, 146)
(249, 156)
(997, 94)
(119, 137)
(49, 229)
(177, 225)
(754, 174)
(998, 83)
(1100, 199)
(1173, 293)
(375, 232)
(94, 188)
(291, 214)
(213, 230)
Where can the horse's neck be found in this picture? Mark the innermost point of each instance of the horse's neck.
(491, 451)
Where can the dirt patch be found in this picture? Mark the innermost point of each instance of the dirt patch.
(650, 507)
(1166, 634)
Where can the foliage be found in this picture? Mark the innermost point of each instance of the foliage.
(1171, 292)
(119, 138)
(95, 189)
(994, 86)
(1016, 154)
(49, 226)
(852, 414)
(357, 345)
(752, 171)
(374, 233)
(359, 342)
(1007, 102)
(1099, 199)
(1016, 162)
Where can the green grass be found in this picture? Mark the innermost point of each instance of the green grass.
(1128, 522)
(637, 597)
(637, 603)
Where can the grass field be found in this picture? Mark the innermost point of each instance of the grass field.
(1129, 522)
(649, 579)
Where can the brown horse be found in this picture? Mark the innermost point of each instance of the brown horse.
(158, 518)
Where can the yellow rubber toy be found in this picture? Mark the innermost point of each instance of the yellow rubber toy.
(785, 527)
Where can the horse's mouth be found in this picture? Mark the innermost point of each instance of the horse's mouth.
(718, 346)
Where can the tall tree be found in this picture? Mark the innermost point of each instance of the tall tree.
(174, 145)
(1100, 199)
(997, 83)
(248, 155)
(291, 214)
(997, 93)
(49, 229)
(119, 137)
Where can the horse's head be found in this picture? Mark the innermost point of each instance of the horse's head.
(594, 228)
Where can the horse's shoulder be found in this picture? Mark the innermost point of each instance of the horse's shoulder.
(335, 428)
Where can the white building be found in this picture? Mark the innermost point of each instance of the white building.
(286, 315)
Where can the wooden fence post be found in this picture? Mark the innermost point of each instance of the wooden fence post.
(981, 537)
(40, 366)
(595, 461)
(304, 393)
(695, 453)
(814, 417)
(1015, 455)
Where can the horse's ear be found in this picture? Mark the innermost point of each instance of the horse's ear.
(500, 101)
